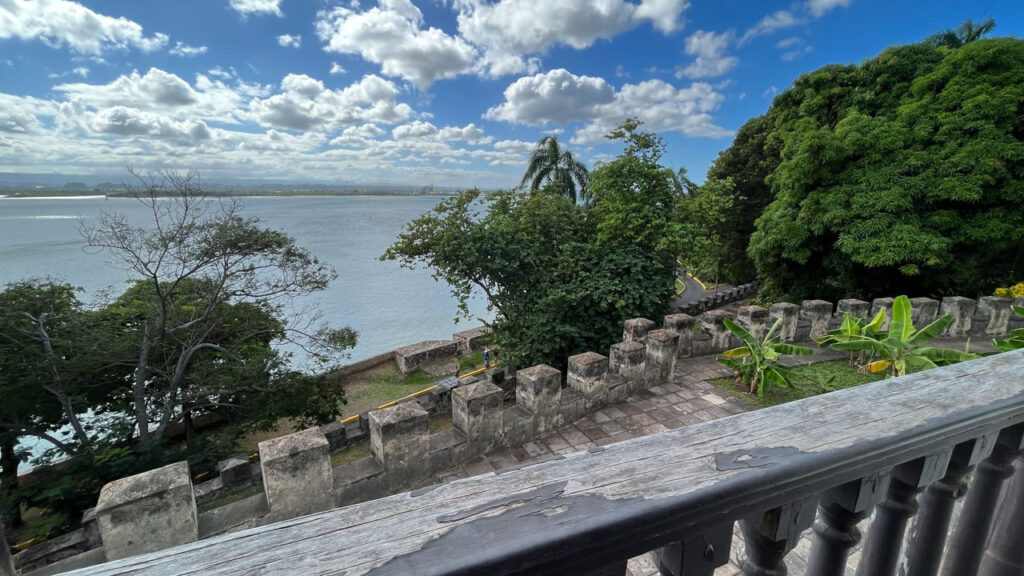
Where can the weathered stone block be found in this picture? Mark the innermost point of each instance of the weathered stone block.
(297, 473)
(790, 314)
(539, 390)
(235, 472)
(626, 359)
(754, 319)
(359, 481)
(573, 406)
(636, 329)
(817, 313)
(587, 374)
(399, 439)
(882, 304)
(618, 388)
(147, 512)
(476, 411)
(683, 324)
(660, 362)
(854, 308)
(712, 325)
(923, 311)
(449, 448)
(336, 435)
(702, 345)
(411, 358)
(473, 339)
(991, 317)
(961, 309)
(519, 425)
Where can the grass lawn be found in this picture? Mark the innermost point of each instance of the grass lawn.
(807, 381)
(680, 286)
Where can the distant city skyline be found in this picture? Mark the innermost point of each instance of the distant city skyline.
(450, 93)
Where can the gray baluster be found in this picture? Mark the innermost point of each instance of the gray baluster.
(967, 545)
(770, 536)
(839, 511)
(1004, 555)
(696, 556)
(927, 537)
(881, 552)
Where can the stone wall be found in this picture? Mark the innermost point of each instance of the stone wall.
(295, 477)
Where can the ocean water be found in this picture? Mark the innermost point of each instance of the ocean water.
(389, 306)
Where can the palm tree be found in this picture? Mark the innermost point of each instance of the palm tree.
(549, 162)
(966, 33)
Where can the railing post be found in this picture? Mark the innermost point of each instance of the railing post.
(1004, 555)
(839, 511)
(696, 556)
(927, 537)
(770, 536)
(881, 553)
(967, 545)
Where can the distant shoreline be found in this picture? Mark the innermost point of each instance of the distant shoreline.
(56, 195)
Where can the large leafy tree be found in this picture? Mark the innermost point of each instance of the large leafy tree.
(550, 164)
(902, 174)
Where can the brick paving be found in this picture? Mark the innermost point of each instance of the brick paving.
(687, 399)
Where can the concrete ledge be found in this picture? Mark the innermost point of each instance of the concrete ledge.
(473, 339)
(412, 358)
(296, 473)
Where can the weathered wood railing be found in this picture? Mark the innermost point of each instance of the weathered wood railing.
(894, 447)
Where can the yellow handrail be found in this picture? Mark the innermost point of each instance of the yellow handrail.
(351, 419)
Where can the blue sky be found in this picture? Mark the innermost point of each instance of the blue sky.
(413, 92)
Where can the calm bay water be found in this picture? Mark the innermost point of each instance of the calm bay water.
(388, 306)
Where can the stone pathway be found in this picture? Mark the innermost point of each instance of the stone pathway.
(688, 399)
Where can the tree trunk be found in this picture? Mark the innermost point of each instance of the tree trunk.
(139, 388)
(9, 483)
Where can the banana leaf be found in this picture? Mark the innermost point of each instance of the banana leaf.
(930, 331)
(741, 352)
(741, 333)
(901, 326)
(918, 363)
(944, 355)
(791, 349)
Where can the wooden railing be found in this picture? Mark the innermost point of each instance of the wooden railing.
(893, 447)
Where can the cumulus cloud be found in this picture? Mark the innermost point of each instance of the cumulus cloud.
(819, 7)
(509, 31)
(709, 48)
(561, 97)
(416, 129)
(65, 23)
(337, 69)
(186, 51)
(770, 24)
(794, 54)
(469, 133)
(289, 41)
(392, 35)
(788, 42)
(305, 104)
(257, 7)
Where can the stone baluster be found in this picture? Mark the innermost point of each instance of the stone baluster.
(698, 555)
(539, 390)
(881, 553)
(790, 314)
(961, 309)
(147, 512)
(587, 374)
(817, 313)
(476, 412)
(927, 537)
(297, 473)
(770, 536)
(660, 361)
(636, 329)
(1004, 555)
(683, 325)
(967, 544)
(627, 359)
(854, 308)
(754, 319)
(839, 511)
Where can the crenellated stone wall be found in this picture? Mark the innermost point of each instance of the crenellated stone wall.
(295, 477)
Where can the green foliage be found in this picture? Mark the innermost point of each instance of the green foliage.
(759, 367)
(902, 348)
(550, 163)
(560, 277)
(1016, 339)
(901, 173)
(805, 381)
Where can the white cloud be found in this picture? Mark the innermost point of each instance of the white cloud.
(560, 97)
(769, 92)
(62, 22)
(186, 51)
(469, 133)
(819, 7)
(258, 7)
(392, 36)
(305, 104)
(557, 96)
(289, 41)
(709, 48)
(80, 71)
(415, 129)
(794, 54)
(509, 31)
(337, 68)
(788, 42)
(770, 24)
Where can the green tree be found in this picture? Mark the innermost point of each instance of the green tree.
(551, 164)
(965, 33)
(901, 174)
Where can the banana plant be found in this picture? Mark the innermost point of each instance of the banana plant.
(902, 348)
(756, 363)
(1016, 339)
(853, 326)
